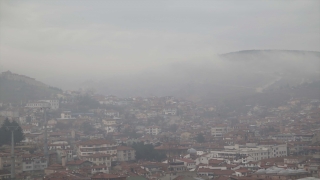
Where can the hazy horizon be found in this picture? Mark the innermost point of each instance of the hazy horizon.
(64, 43)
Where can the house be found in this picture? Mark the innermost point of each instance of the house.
(242, 172)
(112, 113)
(59, 145)
(66, 115)
(54, 168)
(111, 128)
(26, 129)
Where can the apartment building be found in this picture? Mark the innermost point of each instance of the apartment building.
(5, 161)
(90, 147)
(220, 130)
(99, 159)
(154, 130)
(170, 111)
(52, 104)
(125, 153)
(252, 152)
(32, 162)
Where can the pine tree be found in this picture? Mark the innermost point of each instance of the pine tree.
(18, 133)
(5, 134)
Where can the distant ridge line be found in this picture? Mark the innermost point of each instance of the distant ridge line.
(268, 50)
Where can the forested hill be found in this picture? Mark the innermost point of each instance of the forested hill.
(15, 88)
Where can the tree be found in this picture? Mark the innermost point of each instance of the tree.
(132, 134)
(200, 138)
(147, 152)
(87, 127)
(5, 134)
(173, 128)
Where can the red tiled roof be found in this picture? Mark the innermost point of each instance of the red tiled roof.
(77, 162)
(242, 170)
(95, 142)
(107, 176)
(186, 160)
(215, 161)
(123, 148)
(216, 171)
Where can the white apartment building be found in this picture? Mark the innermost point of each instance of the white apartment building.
(220, 130)
(256, 152)
(52, 104)
(277, 150)
(99, 169)
(108, 122)
(93, 146)
(110, 128)
(170, 111)
(66, 115)
(154, 130)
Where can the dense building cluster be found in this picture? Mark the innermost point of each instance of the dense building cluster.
(98, 137)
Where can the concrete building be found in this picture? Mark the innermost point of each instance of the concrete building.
(219, 130)
(33, 162)
(53, 104)
(125, 153)
(154, 130)
(90, 147)
(255, 152)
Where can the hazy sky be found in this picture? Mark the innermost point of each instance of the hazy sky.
(64, 40)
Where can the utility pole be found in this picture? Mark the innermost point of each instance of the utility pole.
(46, 134)
(12, 129)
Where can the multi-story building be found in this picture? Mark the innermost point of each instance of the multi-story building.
(53, 104)
(276, 150)
(253, 151)
(5, 161)
(154, 130)
(109, 122)
(94, 146)
(170, 111)
(33, 162)
(66, 115)
(219, 130)
(99, 169)
(125, 153)
(99, 159)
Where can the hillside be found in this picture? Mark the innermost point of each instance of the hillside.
(227, 77)
(15, 88)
